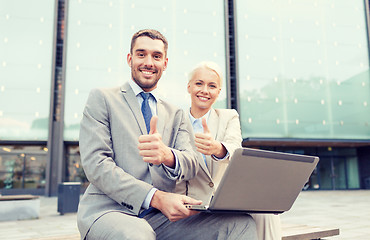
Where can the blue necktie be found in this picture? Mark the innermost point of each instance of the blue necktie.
(147, 114)
(145, 109)
(146, 212)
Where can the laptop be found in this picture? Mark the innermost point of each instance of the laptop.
(260, 181)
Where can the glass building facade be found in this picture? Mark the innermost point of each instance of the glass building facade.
(304, 74)
(97, 48)
(300, 67)
(26, 49)
(298, 71)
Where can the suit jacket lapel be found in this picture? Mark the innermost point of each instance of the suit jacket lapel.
(200, 157)
(213, 122)
(162, 117)
(130, 97)
(204, 166)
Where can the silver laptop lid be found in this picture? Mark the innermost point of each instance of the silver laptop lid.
(262, 181)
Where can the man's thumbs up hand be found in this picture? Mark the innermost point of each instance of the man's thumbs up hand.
(206, 144)
(153, 125)
(152, 149)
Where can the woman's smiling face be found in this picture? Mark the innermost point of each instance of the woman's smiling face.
(204, 88)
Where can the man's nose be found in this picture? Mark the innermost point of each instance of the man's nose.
(148, 61)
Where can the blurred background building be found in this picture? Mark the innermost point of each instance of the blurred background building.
(297, 71)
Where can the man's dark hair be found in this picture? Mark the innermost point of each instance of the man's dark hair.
(151, 33)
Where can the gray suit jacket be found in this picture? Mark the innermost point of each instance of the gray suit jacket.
(119, 178)
(224, 125)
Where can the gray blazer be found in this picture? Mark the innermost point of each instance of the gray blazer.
(224, 125)
(119, 178)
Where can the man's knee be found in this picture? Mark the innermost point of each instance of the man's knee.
(241, 226)
(144, 232)
(246, 218)
(120, 226)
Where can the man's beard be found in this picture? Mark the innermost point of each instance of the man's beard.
(145, 85)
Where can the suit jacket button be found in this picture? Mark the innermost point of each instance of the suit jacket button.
(151, 164)
(210, 184)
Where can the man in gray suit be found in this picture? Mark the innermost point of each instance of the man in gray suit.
(133, 163)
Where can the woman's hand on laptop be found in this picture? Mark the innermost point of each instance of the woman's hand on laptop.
(173, 205)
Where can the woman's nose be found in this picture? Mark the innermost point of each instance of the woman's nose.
(204, 88)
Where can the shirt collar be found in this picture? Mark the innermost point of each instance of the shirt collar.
(137, 90)
(192, 119)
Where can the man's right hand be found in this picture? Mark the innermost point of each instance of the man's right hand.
(173, 205)
(152, 149)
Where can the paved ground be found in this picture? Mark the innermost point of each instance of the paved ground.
(347, 210)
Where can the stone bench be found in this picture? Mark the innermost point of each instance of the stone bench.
(290, 232)
(298, 232)
(62, 237)
(19, 207)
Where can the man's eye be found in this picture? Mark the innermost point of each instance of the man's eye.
(212, 86)
(198, 83)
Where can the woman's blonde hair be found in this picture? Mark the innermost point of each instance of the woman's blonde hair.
(210, 66)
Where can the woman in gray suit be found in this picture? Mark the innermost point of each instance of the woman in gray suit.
(217, 135)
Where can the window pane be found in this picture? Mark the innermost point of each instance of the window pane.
(352, 172)
(22, 167)
(26, 42)
(75, 172)
(99, 35)
(303, 69)
(10, 171)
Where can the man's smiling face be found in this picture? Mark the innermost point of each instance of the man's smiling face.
(147, 61)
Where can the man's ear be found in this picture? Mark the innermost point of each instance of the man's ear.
(189, 87)
(129, 58)
(165, 64)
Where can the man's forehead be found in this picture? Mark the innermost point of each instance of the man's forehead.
(146, 43)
